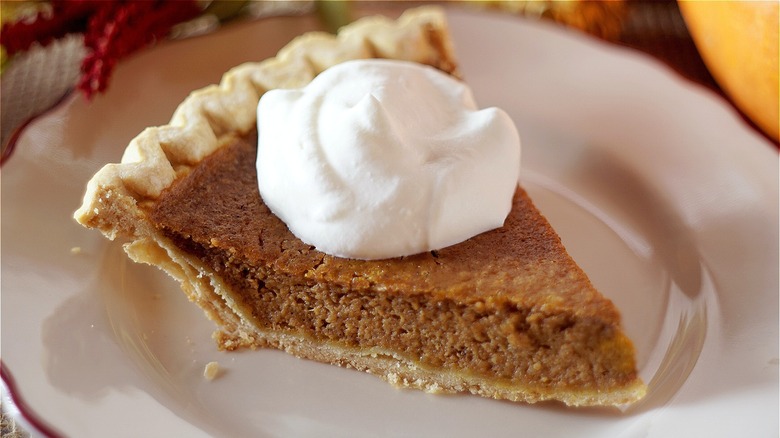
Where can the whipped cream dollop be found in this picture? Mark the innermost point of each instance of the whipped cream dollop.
(382, 158)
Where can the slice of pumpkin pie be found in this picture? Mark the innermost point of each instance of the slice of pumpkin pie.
(503, 313)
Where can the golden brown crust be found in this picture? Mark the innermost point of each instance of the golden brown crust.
(120, 198)
(213, 114)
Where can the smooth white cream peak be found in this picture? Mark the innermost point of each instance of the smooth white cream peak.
(381, 158)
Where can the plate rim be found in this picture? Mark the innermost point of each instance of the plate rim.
(7, 377)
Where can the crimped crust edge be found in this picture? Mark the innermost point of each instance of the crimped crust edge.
(211, 115)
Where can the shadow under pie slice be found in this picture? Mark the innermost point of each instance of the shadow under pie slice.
(506, 314)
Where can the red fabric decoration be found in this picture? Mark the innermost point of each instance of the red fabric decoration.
(113, 29)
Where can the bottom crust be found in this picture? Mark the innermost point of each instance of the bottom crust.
(235, 332)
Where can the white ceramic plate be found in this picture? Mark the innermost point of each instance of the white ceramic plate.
(657, 188)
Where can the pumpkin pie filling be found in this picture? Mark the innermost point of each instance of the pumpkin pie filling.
(480, 308)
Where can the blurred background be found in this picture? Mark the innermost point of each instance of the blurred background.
(51, 48)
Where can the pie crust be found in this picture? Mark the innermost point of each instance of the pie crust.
(565, 339)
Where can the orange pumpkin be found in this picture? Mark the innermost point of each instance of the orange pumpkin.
(738, 41)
